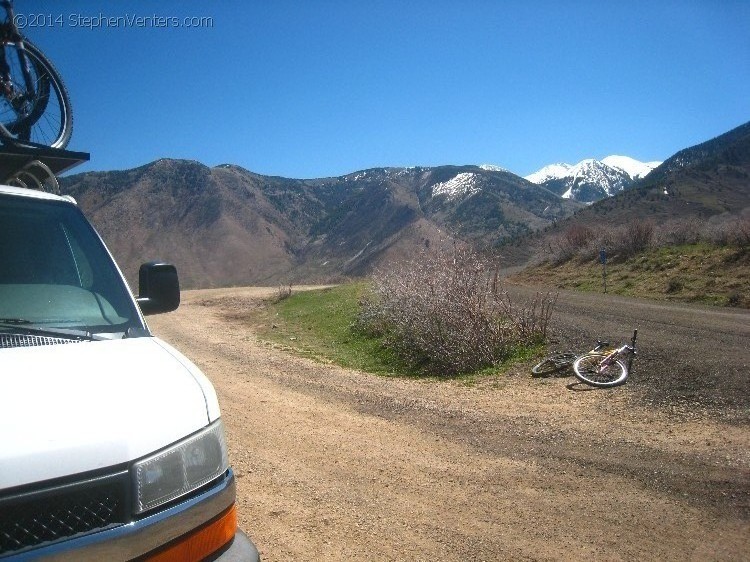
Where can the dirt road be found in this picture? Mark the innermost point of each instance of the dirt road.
(340, 465)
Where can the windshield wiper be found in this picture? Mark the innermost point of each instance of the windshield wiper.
(16, 325)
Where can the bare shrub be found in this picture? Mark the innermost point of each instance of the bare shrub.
(444, 313)
(638, 236)
(678, 232)
(625, 241)
(604, 238)
(531, 319)
(559, 250)
(718, 231)
(578, 235)
(728, 230)
(566, 246)
(629, 240)
(742, 231)
(283, 292)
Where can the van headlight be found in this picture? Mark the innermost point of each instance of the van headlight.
(181, 468)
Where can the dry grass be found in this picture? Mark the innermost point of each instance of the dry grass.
(705, 273)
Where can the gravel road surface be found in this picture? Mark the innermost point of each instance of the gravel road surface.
(340, 465)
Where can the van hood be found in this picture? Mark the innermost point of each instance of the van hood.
(67, 409)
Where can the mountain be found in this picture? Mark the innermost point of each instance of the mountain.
(591, 180)
(709, 180)
(722, 155)
(225, 225)
(634, 168)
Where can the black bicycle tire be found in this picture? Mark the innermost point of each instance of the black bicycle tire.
(18, 122)
(48, 75)
(66, 128)
(553, 364)
(585, 375)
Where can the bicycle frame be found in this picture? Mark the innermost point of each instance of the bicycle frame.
(616, 353)
(11, 34)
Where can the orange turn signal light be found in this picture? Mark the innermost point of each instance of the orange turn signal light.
(201, 542)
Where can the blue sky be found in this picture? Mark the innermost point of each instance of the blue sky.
(323, 88)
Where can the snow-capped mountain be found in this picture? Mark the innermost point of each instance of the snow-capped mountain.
(634, 168)
(550, 172)
(591, 180)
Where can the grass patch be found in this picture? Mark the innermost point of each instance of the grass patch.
(318, 324)
(703, 273)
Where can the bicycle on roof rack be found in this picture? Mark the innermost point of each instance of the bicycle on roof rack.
(600, 367)
(35, 108)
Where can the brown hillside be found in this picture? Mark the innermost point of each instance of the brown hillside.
(226, 226)
(216, 226)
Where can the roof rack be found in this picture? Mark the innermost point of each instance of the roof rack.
(36, 166)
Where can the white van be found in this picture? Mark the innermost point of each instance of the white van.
(111, 441)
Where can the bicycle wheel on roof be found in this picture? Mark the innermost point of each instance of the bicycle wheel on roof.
(39, 111)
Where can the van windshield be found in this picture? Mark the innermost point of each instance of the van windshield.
(56, 273)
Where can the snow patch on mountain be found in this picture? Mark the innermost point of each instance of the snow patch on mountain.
(464, 184)
(634, 168)
(553, 171)
(492, 168)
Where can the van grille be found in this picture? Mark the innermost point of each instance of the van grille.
(41, 517)
(24, 340)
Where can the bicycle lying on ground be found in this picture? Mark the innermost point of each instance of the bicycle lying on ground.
(600, 367)
(34, 104)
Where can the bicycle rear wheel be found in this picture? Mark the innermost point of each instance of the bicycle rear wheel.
(42, 114)
(588, 368)
(553, 364)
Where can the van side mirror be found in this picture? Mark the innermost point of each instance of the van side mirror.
(158, 288)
